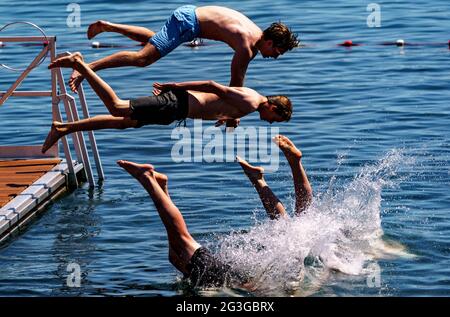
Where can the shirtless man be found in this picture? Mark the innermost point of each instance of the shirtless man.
(196, 262)
(184, 25)
(206, 100)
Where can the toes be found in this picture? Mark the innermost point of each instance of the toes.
(277, 139)
(73, 87)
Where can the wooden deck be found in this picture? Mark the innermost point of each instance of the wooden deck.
(27, 187)
(17, 175)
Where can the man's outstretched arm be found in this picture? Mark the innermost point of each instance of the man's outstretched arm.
(239, 66)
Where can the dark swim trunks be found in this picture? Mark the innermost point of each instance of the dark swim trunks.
(205, 269)
(164, 109)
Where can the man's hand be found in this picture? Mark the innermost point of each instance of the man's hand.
(229, 123)
(156, 91)
(163, 87)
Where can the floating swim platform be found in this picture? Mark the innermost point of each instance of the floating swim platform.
(27, 186)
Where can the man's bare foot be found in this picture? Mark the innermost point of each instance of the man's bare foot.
(138, 171)
(143, 171)
(53, 136)
(254, 173)
(75, 80)
(289, 149)
(162, 180)
(67, 61)
(70, 61)
(96, 28)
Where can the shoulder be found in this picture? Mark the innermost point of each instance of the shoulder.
(251, 96)
(244, 50)
(251, 91)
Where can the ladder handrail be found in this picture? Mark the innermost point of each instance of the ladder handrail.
(92, 140)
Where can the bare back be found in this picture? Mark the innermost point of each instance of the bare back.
(209, 106)
(229, 26)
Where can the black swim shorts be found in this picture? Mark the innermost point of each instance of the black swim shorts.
(169, 106)
(207, 270)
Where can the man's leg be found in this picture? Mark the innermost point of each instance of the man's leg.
(303, 190)
(146, 56)
(58, 129)
(116, 106)
(181, 244)
(272, 204)
(136, 33)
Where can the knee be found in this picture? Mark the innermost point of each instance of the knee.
(119, 108)
(176, 261)
(143, 59)
(147, 55)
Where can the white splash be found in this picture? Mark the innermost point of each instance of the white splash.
(341, 231)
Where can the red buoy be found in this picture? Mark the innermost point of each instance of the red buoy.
(348, 43)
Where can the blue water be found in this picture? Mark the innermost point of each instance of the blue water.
(371, 121)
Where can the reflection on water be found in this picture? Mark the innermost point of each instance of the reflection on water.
(76, 225)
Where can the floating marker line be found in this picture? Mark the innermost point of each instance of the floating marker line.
(198, 43)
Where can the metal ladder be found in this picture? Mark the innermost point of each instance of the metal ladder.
(58, 94)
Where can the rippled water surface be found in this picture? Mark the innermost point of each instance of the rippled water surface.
(371, 121)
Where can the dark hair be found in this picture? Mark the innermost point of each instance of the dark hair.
(281, 36)
(283, 106)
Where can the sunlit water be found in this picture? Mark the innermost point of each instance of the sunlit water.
(371, 121)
